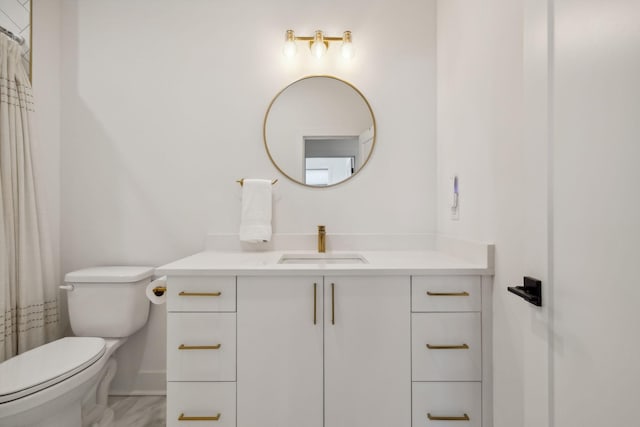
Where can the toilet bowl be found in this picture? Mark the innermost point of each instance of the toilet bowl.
(65, 383)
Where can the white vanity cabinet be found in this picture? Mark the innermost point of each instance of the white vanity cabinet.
(403, 340)
(446, 350)
(328, 351)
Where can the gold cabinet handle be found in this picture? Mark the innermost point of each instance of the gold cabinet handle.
(448, 294)
(182, 417)
(333, 304)
(448, 347)
(199, 294)
(199, 347)
(464, 417)
(315, 302)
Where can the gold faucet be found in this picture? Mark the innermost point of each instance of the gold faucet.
(322, 234)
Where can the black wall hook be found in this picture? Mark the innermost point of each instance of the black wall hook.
(531, 291)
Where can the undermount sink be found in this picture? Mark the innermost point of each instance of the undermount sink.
(322, 258)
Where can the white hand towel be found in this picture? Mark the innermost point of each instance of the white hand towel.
(255, 220)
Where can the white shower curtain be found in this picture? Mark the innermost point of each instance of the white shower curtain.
(28, 295)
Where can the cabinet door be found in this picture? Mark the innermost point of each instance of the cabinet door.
(279, 351)
(367, 352)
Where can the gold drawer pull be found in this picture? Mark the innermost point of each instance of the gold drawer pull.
(465, 417)
(183, 418)
(199, 347)
(448, 294)
(200, 294)
(448, 347)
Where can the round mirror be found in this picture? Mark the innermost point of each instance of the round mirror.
(319, 131)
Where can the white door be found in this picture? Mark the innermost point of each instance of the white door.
(579, 225)
(279, 352)
(596, 219)
(367, 352)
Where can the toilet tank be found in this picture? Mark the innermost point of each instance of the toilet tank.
(108, 302)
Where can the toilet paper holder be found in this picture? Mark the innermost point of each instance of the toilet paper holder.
(160, 286)
(159, 290)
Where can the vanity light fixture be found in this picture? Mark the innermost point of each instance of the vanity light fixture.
(318, 44)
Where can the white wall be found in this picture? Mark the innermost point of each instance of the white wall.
(466, 125)
(162, 110)
(492, 134)
(46, 80)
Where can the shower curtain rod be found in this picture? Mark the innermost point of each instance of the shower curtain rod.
(9, 34)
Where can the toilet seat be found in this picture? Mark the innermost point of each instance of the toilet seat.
(47, 365)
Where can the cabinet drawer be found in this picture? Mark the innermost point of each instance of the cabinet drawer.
(454, 347)
(201, 347)
(201, 399)
(205, 293)
(445, 293)
(434, 401)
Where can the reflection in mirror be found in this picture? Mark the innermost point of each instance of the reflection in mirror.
(319, 131)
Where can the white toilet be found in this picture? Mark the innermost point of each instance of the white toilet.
(65, 383)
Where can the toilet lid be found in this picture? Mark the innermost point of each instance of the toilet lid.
(47, 365)
(109, 274)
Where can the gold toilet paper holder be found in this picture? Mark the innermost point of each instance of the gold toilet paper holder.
(159, 290)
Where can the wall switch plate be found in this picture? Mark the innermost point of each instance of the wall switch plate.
(455, 214)
(454, 191)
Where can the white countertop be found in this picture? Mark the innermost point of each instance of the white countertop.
(379, 262)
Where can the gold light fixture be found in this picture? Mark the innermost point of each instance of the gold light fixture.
(318, 44)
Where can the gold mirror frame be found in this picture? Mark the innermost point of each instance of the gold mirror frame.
(366, 102)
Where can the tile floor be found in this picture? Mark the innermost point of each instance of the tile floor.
(138, 411)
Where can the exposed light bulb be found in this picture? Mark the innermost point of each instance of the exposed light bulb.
(318, 48)
(289, 49)
(347, 50)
